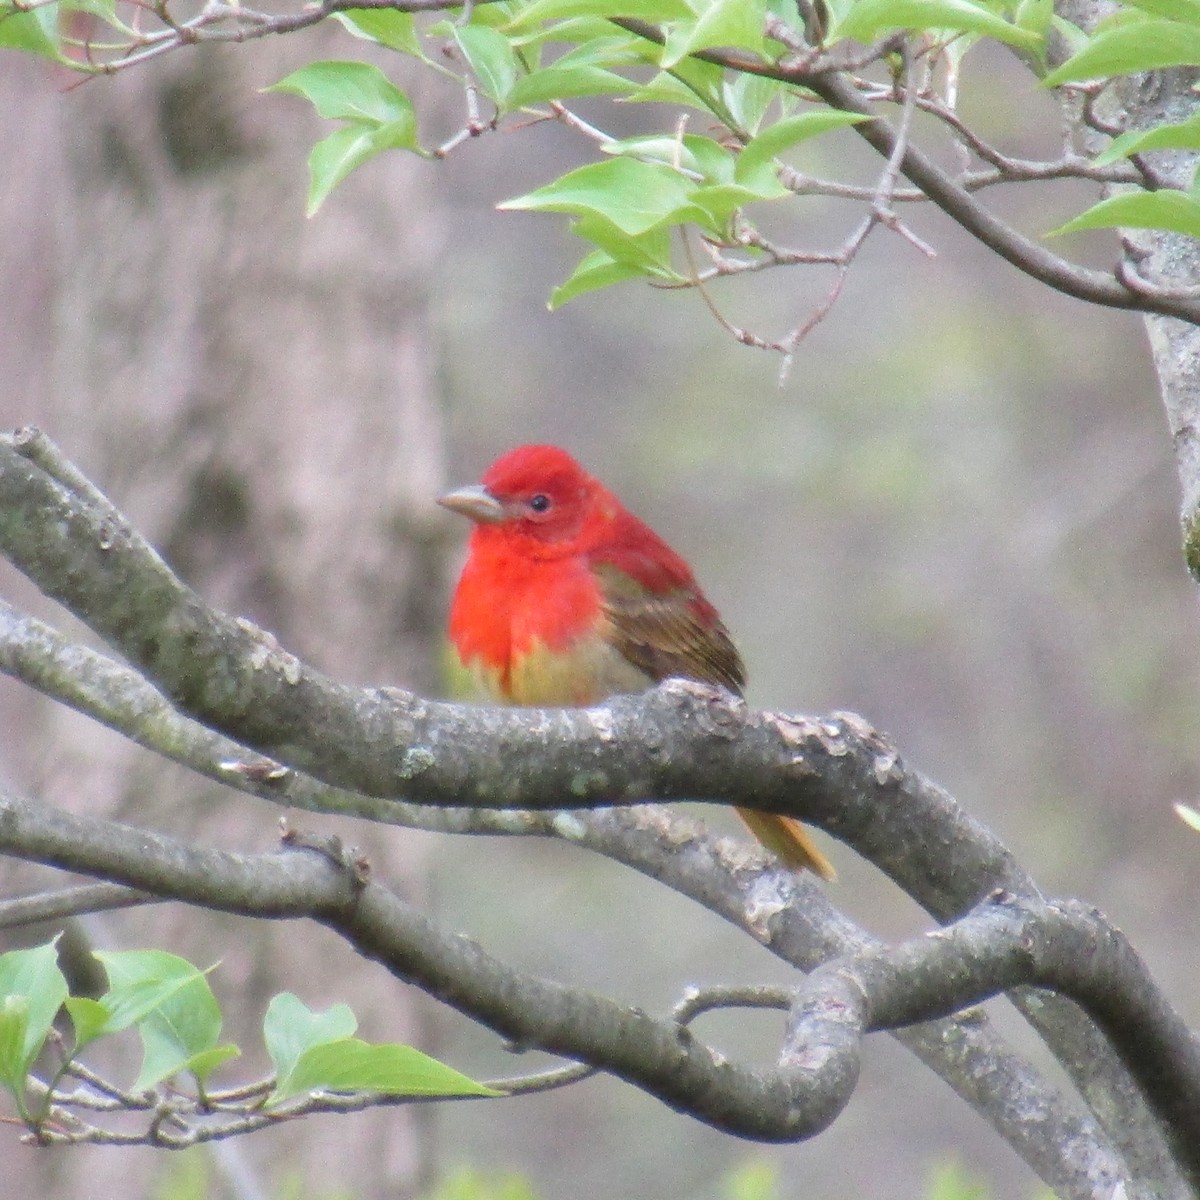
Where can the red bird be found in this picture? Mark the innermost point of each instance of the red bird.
(567, 598)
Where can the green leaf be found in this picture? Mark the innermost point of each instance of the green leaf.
(649, 252)
(495, 15)
(658, 11)
(667, 88)
(1184, 136)
(491, 59)
(32, 989)
(596, 50)
(692, 83)
(316, 1050)
(1173, 10)
(838, 10)
(706, 80)
(634, 196)
(128, 970)
(348, 91)
(1189, 816)
(559, 83)
(1177, 212)
(581, 33)
(386, 26)
(717, 23)
(352, 1065)
(130, 1003)
(747, 97)
(1071, 34)
(595, 270)
(1035, 16)
(334, 157)
(185, 1022)
(755, 167)
(34, 32)
(699, 157)
(290, 1028)
(720, 201)
(14, 1030)
(203, 1064)
(1131, 48)
(867, 19)
(89, 1017)
(162, 1060)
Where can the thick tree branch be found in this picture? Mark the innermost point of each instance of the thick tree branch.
(681, 741)
(121, 699)
(68, 902)
(790, 915)
(790, 1103)
(995, 948)
(794, 920)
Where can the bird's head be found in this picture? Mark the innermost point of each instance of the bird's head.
(538, 493)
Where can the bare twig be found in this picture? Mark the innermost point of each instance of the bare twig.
(826, 74)
(696, 1001)
(881, 204)
(68, 902)
(577, 123)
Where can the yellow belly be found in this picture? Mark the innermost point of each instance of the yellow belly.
(586, 673)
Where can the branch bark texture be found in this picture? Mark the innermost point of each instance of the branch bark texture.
(680, 741)
(789, 915)
(1005, 943)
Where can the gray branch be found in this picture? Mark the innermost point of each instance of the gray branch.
(1005, 943)
(789, 914)
(680, 741)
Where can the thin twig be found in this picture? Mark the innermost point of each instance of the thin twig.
(69, 902)
(881, 205)
(697, 1001)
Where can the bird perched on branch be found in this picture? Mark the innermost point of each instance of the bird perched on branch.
(567, 598)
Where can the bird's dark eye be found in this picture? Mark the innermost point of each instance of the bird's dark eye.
(540, 502)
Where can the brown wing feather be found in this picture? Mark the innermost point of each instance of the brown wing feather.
(679, 633)
(674, 633)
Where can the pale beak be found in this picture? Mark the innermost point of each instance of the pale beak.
(475, 502)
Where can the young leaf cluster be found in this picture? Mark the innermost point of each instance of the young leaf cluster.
(732, 87)
(169, 1003)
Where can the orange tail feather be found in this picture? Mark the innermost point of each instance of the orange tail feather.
(788, 840)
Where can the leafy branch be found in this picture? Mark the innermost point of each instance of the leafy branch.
(320, 1066)
(1004, 943)
(283, 727)
(763, 79)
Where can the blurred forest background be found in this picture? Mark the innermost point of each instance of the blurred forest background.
(956, 516)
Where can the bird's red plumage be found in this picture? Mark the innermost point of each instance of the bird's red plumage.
(567, 598)
(506, 601)
(532, 579)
